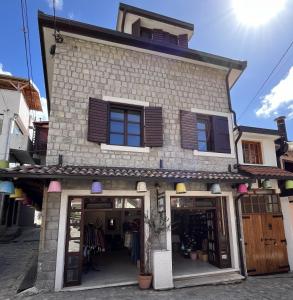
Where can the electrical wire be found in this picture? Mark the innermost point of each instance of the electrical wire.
(265, 81)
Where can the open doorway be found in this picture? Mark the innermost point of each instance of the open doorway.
(104, 244)
(200, 238)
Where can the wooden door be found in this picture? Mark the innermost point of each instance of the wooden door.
(74, 242)
(213, 255)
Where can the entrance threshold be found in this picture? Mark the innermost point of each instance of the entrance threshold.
(208, 278)
(101, 286)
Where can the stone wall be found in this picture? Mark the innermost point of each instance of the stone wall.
(48, 243)
(84, 69)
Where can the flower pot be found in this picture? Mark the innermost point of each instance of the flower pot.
(144, 281)
(193, 255)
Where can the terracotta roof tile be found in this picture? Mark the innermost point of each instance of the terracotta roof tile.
(37, 171)
(266, 172)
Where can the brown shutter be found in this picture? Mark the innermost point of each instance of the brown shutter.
(158, 35)
(153, 127)
(221, 135)
(97, 121)
(136, 28)
(183, 40)
(188, 130)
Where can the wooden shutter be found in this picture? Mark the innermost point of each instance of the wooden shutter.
(136, 28)
(221, 135)
(158, 35)
(97, 121)
(183, 40)
(153, 127)
(188, 130)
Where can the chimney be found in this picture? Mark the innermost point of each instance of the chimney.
(282, 127)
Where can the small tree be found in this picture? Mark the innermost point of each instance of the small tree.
(157, 223)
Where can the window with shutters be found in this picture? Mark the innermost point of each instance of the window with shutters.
(252, 152)
(125, 126)
(146, 33)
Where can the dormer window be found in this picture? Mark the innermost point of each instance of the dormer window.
(146, 33)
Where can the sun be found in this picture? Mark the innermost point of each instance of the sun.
(256, 13)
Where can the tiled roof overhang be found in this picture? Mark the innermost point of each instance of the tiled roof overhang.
(265, 172)
(36, 171)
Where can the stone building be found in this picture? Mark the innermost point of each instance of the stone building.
(140, 139)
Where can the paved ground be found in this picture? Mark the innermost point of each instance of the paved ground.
(15, 258)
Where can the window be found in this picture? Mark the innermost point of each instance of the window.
(125, 126)
(146, 33)
(173, 39)
(203, 127)
(261, 204)
(251, 152)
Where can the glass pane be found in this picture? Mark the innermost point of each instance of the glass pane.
(201, 125)
(72, 275)
(202, 135)
(116, 126)
(133, 140)
(133, 128)
(132, 203)
(72, 261)
(75, 216)
(134, 116)
(118, 203)
(74, 231)
(116, 139)
(202, 146)
(73, 245)
(117, 114)
(76, 203)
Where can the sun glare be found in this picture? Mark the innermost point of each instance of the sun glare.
(257, 12)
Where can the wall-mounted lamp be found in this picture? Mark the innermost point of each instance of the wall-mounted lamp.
(215, 188)
(141, 187)
(289, 184)
(242, 188)
(180, 188)
(97, 187)
(54, 187)
(266, 184)
(7, 187)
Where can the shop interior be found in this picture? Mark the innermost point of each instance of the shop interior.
(194, 236)
(111, 246)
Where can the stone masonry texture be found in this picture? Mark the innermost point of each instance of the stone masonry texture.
(84, 69)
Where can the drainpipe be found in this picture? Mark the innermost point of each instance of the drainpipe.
(237, 199)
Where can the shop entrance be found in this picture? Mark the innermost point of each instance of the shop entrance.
(104, 243)
(200, 238)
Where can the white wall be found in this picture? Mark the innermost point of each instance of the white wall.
(14, 104)
(267, 145)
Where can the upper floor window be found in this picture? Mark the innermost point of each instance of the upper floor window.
(252, 152)
(125, 126)
(203, 133)
(146, 33)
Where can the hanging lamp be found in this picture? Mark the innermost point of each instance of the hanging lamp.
(97, 187)
(266, 184)
(7, 187)
(180, 188)
(17, 193)
(54, 187)
(288, 184)
(242, 188)
(141, 187)
(215, 188)
(4, 164)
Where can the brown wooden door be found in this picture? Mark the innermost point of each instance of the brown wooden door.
(213, 254)
(265, 243)
(74, 242)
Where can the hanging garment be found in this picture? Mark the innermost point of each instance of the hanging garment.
(128, 240)
(135, 249)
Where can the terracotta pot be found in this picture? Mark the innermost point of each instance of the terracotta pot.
(193, 255)
(144, 281)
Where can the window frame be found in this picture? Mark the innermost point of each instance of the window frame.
(207, 120)
(147, 31)
(125, 134)
(258, 154)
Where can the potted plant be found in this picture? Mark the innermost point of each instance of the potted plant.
(157, 224)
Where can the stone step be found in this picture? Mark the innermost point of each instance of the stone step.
(209, 279)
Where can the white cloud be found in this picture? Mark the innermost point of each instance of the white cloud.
(4, 72)
(58, 4)
(279, 98)
(71, 15)
(42, 115)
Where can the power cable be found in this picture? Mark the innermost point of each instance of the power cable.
(265, 81)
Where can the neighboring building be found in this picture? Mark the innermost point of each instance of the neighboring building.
(263, 214)
(18, 98)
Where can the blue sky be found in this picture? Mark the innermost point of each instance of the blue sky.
(218, 30)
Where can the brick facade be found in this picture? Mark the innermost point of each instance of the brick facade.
(84, 69)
